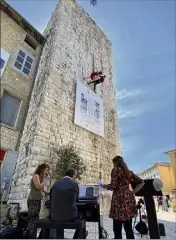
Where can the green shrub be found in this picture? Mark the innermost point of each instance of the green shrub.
(68, 157)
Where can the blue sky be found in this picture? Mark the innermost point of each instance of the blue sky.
(143, 37)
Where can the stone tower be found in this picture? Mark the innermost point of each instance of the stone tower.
(74, 47)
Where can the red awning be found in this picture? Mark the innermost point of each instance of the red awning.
(2, 154)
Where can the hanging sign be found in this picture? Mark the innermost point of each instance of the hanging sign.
(89, 112)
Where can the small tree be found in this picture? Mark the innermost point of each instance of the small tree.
(69, 157)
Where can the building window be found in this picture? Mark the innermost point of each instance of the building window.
(2, 63)
(23, 62)
(9, 109)
(3, 60)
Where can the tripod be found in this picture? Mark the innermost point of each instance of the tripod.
(139, 212)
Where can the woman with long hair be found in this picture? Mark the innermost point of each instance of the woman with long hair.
(123, 204)
(35, 196)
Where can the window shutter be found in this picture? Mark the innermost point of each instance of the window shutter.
(9, 109)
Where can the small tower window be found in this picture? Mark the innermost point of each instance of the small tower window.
(31, 42)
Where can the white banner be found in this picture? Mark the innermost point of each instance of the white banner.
(89, 112)
(3, 60)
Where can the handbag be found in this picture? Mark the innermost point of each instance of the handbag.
(142, 228)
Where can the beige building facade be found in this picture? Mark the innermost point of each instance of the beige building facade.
(164, 172)
(21, 47)
(172, 156)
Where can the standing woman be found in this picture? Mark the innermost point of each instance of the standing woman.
(123, 204)
(160, 203)
(35, 197)
(173, 199)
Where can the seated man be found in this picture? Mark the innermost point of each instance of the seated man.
(64, 195)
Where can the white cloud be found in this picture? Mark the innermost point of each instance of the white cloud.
(122, 94)
(136, 110)
(136, 102)
(128, 108)
(124, 114)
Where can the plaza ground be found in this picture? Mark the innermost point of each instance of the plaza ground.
(167, 218)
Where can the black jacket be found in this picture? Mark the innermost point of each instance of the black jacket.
(64, 195)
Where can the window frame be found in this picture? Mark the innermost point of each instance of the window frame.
(1, 59)
(5, 56)
(23, 64)
(18, 113)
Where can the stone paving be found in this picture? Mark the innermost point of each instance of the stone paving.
(169, 221)
(167, 218)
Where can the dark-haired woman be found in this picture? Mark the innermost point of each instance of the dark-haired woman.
(35, 197)
(123, 204)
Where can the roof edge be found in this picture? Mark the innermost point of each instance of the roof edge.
(156, 164)
(171, 151)
(21, 21)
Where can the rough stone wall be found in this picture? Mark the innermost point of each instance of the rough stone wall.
(73, 40)
(9, 138)
(12, 81)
